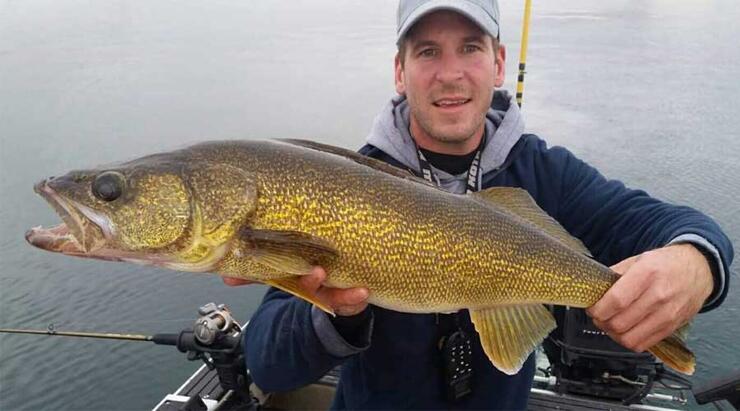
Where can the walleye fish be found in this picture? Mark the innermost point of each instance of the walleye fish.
(270, 210)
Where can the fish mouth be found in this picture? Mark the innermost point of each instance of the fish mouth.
(83, 231)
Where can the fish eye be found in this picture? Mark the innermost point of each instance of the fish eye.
(108, 186)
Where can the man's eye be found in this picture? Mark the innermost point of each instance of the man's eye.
(428, 53)
(471, 48)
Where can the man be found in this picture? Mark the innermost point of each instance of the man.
(448, 125)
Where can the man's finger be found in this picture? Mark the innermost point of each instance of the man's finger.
(626, 290)
(337, 297)
(624, 265)
(233, 282)
(312, 281)
(648, 333)
(627, 319)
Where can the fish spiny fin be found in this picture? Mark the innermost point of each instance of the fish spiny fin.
(518, 202)
(291, 252)
(292, 286)
(673, 352)
(358, 158)
(509, 334)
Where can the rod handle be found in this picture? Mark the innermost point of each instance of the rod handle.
(166, 339)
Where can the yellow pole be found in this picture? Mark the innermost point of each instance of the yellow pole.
(523, 53)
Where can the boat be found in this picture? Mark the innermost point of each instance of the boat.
(584, 370)
(580, 380)
(202, 392)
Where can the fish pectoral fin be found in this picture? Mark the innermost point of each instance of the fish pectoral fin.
(518, 202)
(292, 286)
(509, 334)
(673, 351)
(291, 252)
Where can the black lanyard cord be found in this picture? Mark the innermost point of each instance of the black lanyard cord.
(472, 183)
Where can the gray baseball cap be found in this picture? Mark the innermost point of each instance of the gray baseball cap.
(484, 13)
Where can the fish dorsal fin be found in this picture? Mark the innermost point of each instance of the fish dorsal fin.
(518, 202)
(291, 252)
(509, 334)
(358, 158)
(673, 351)
(292, 285)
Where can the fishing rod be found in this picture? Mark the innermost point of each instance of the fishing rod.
(183, 341)
(214, 319)
(214, 338)
(110, 336)
(523, 52)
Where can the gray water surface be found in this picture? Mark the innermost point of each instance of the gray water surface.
(646, 90)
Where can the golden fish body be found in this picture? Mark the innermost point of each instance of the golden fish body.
(270, 210)
(415, 247)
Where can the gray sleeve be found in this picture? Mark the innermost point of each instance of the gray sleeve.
(720, 279)
(333, 342)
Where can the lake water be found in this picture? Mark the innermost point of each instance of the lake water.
(646, 90)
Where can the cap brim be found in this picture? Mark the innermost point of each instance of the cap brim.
(473, 12)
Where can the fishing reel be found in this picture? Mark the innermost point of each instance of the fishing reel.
(215, 321)
(216, 340)
(215, 332)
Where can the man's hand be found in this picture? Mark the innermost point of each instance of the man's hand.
(659, 291)
(234, 282)
(344, 302)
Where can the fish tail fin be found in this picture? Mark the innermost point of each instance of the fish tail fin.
(675, 354)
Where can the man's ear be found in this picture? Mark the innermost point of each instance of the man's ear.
(500, 66)
(398, 77)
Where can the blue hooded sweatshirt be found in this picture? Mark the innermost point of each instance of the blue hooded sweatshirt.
(391, 360)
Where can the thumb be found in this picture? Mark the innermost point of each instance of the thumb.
(312, 281)
(624, 265)
(234, 282)
(357, 296)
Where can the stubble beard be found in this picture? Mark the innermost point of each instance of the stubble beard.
(449, 133)
(437, 128)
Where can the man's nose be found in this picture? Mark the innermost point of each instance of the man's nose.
(450, 68)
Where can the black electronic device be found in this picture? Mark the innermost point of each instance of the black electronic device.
(586, 361)
(723, 388)
(457, 357)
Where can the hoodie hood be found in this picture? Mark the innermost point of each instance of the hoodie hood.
(504, 126)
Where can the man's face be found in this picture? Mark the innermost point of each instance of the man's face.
(448, 75)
